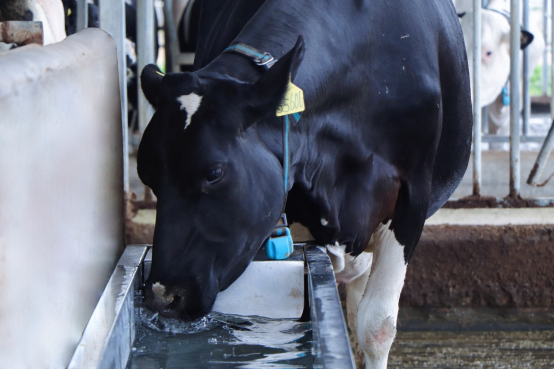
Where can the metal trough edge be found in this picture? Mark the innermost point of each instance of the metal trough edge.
(110, 332)
(330, 336)
(108, 338)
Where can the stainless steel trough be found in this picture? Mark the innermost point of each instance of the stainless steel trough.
(108, 338)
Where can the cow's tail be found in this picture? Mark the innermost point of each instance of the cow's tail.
(454, 146)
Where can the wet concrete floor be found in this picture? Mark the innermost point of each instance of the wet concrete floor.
(473, 349)
(474, 338)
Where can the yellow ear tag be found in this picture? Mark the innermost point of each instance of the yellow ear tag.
(293, 101)
(160, 73)
(68, 12)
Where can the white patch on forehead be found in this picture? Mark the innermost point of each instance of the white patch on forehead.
(190, 104)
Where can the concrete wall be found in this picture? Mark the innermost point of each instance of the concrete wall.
(483, 257)
(61, 194)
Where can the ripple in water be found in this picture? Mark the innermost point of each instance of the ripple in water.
(220, 341)
(173, 326)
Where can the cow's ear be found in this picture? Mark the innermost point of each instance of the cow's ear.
(526, 38)
(268, 91)
(151, 81)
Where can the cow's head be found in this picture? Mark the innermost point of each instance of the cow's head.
(219, 187)
(495, 51)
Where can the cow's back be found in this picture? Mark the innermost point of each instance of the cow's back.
(379, 63)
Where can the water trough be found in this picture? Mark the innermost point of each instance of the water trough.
(306, 295)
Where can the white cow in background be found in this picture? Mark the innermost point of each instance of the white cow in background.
(49, 12)
(495, 56)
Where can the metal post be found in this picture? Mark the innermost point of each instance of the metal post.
(112, 20)
(545, 53)
(515, 43)
(82, 14)
(540, 163)
(552, 61)
(145, 54)
(526, 95)
(477, 97)
(172, 49)
(485, 119)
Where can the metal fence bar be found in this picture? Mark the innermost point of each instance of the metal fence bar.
(112, 20)
(545, 53)
(540, 163)
(515, 43)
(477, 97)
(552, 61)
(82, 14)
(172, 44)
(526, 95)
(546, 148)
(145, 53)
(485, 119)
(506, 139)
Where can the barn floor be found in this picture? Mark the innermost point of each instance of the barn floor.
(474, 338)
(473, 349)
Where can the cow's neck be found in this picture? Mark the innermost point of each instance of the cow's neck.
(305, 170)
(240, 68)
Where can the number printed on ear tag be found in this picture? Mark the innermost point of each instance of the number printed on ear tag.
(293, 101)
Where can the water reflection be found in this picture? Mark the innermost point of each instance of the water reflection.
(221, 341)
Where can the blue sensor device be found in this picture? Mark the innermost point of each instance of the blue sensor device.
(505, 96)
(280, 246)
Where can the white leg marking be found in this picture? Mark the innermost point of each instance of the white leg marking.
(190, 104)
(336, 255)
(354, 267)
(378, 309)
(346, 266)
(354, 292)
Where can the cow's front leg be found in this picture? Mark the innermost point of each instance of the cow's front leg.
(354, 293)
(354, 271)
(378, 309)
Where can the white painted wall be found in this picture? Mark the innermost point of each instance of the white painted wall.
(61, 199)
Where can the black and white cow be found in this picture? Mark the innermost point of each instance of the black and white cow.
(383, 142)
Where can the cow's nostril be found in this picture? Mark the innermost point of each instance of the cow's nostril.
(175, 303)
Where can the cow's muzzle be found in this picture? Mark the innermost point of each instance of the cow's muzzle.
(173, 302)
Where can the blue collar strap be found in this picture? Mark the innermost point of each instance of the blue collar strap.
(265, 60)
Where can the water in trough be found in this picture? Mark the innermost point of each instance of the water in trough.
(220, 341)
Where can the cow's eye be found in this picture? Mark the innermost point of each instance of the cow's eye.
(489, 53)
(214, 175)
